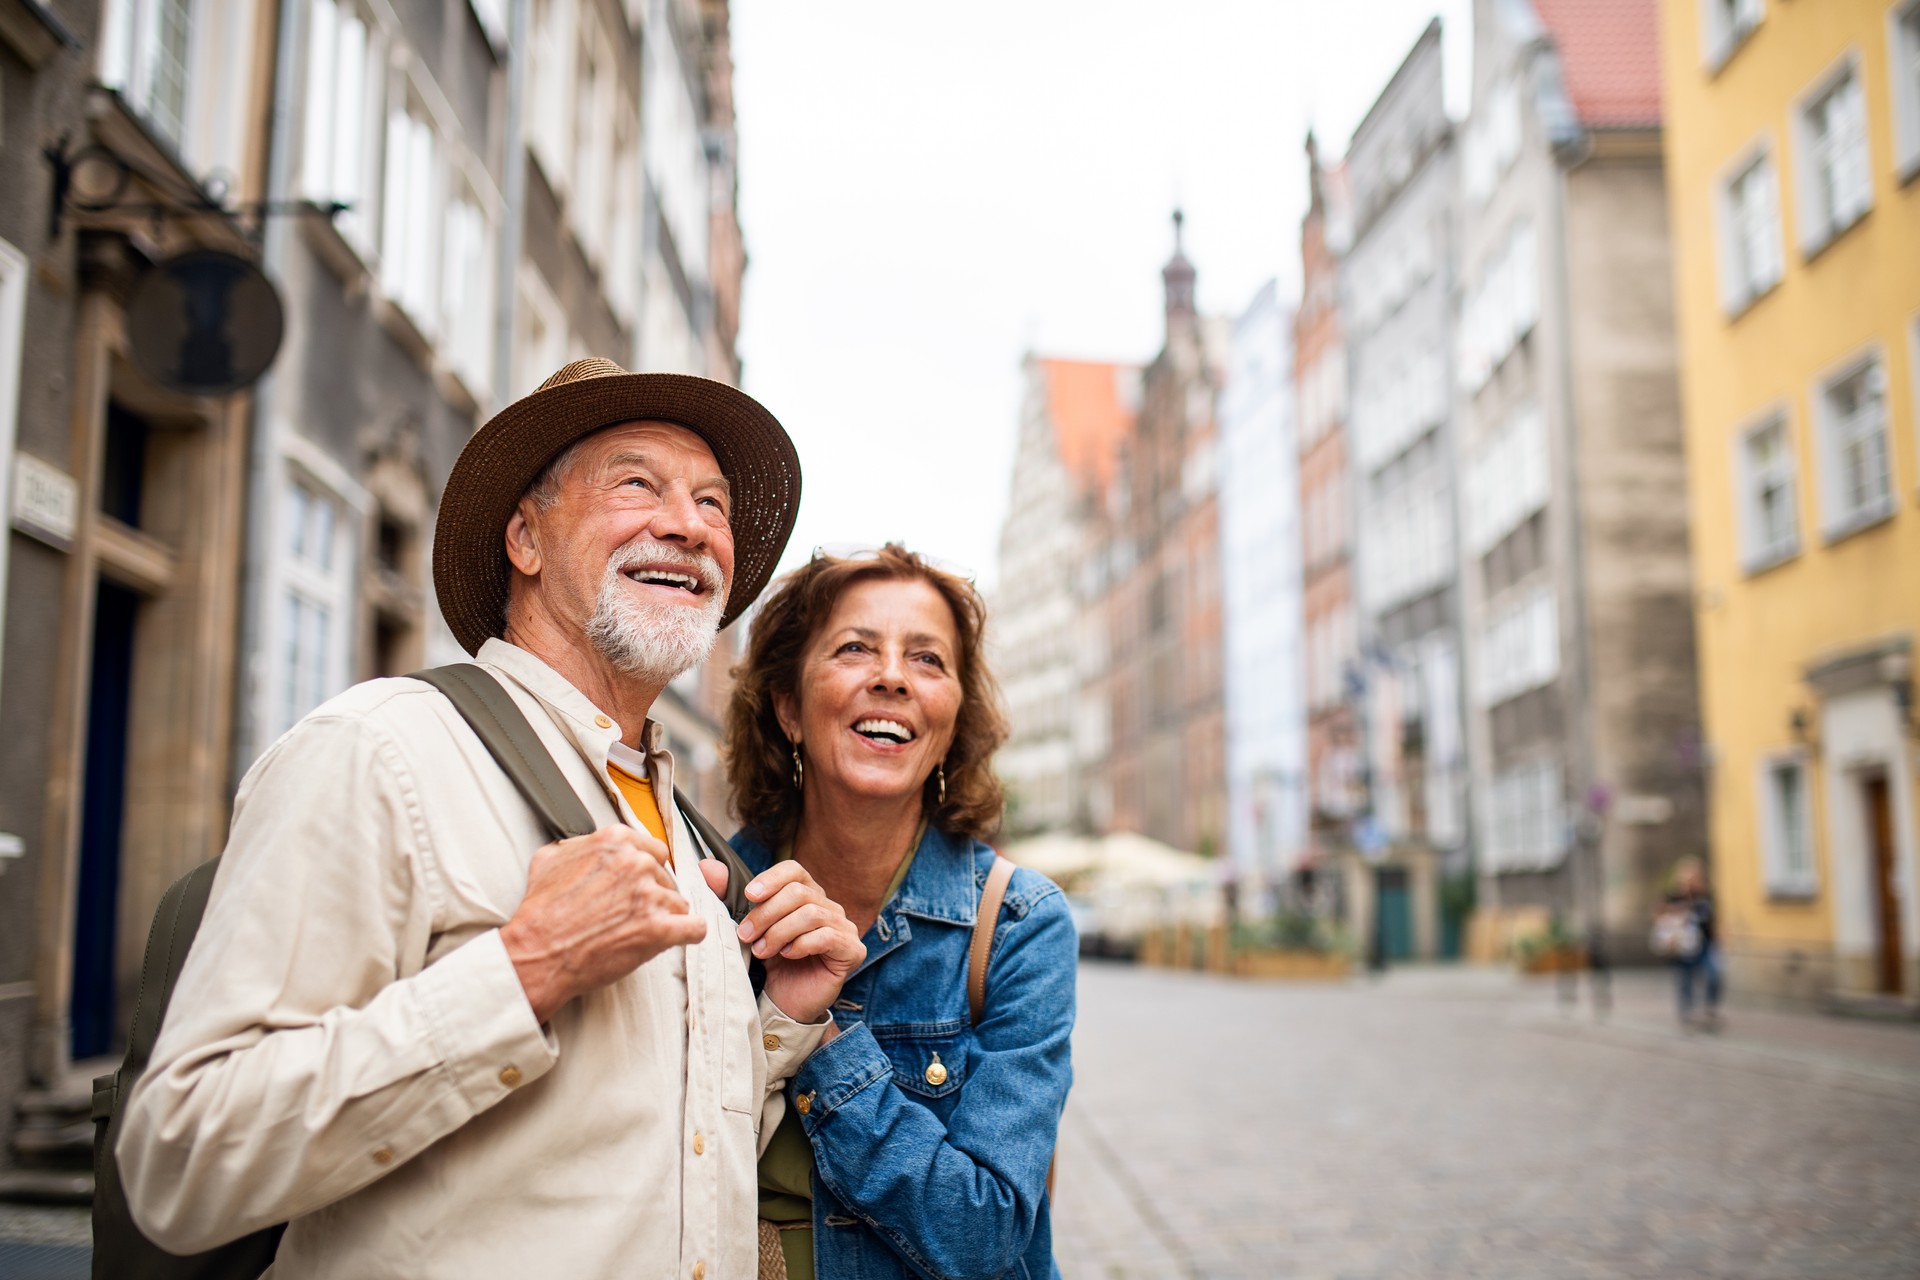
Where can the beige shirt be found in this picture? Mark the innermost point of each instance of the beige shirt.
(350, 1049)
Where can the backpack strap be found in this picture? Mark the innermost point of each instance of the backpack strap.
(500, 724)
(503, 727)
(717, 846)
(980, 950)
(175, 921)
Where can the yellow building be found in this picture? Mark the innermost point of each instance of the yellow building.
(1793, 162)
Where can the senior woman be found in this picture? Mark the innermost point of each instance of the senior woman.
(860, 738)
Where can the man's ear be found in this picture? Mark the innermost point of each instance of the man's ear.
(786, 709)
(523, 541)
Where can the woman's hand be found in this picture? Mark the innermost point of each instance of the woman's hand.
(809, 946)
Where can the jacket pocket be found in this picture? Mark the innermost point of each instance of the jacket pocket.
(929, 1059)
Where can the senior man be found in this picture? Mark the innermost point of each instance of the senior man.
(434, 1043)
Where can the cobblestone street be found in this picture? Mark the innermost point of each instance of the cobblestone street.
(1465, 1123)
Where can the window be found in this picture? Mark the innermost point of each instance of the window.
(1903, 51)
(144, 52)
(1519, 648)
(1770, 527)
(1750, 257)
(1724, 25)
(550, 73)
(1500, 308)
(313, 664)
(1835, 180)
(415, 192)
(1507, 480)
(345, 88)
(1856, 470)
(594, 90)
(467, 293)
(1786, 828)
(1526, 827)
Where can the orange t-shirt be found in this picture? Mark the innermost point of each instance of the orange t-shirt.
(639, 794)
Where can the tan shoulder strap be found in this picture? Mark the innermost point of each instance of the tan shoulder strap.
(984, 921)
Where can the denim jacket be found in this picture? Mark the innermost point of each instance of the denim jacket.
(949, 1179)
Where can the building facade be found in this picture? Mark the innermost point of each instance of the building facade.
(1575, 577)
(1396, 295)
(1265, 690)
(1793, 142)
(1074, 415)
(1167, 765)
(1327, 608)
(131, 135)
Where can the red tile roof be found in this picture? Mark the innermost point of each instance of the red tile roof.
(1090, 417)
(1610, 53)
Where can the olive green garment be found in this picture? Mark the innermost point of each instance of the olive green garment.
(786, 1166)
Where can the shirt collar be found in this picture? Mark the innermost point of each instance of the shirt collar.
(582, 720)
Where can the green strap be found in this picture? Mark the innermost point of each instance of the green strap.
(502, 727)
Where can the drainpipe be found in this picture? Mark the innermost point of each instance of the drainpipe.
(514, 183)
(263, 448)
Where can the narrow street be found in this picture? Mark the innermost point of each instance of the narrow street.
(1464, 1123)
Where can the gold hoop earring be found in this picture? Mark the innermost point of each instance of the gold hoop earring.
(799, 770)
(941, 773)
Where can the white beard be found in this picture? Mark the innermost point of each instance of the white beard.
(651, 641)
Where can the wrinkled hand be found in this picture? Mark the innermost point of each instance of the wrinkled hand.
(809, 946)
(598, 907)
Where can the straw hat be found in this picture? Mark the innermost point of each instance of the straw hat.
(504, 457)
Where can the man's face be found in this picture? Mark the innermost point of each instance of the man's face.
(637, 549)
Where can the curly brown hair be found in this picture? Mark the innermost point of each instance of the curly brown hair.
(759, 756)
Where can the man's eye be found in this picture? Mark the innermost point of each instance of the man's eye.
(934, 660)
(716, 504)
(851, 646)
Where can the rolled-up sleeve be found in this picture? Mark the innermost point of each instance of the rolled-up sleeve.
(306, 1052)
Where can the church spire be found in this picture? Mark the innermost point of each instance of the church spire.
(1178, 274)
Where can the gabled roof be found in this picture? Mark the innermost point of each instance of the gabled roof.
(1610, 59)
(1090, 415)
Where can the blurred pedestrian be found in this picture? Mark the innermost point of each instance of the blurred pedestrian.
(432, 1046)
(1684, 931)
(860, 743)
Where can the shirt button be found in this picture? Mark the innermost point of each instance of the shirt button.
(603, 722)
(699, 1145)
(771, 1042)
(510, 1076)
(804, 1103)
(384, 1156)
(699, 1271)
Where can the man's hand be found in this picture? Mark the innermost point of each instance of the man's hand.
(598, 907)
(809, 945)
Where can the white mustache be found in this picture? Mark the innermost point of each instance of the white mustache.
(639, 552)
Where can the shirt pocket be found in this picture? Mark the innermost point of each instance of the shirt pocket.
(929, 1059)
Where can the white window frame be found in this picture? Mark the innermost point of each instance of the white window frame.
(1819, 226)
(327, 172)
(330, 587)
(13, 330)
(135, 61)
(1742, 280)
(1903, 74)
(468, 263)
(1782, 879)
(1756, 552)
(1722, 33)
(1838, 523)
(413, 206)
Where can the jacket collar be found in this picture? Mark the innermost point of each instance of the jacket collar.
(941, 884)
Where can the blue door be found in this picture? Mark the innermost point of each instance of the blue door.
(1394, 914)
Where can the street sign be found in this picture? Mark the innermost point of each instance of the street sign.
(204, 323)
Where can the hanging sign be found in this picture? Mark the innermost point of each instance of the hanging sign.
(204, 323)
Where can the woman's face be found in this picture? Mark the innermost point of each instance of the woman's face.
(879, 691)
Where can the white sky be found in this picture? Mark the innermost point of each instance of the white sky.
(929, 191)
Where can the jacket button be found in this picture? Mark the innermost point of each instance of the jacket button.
(936, 1072)
(804, 1103)
(603, 722)
(510, 1076)
(384, 1156)
(770, 1042)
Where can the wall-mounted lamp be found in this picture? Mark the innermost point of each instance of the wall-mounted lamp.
(1896, 668)
(1800, 726)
